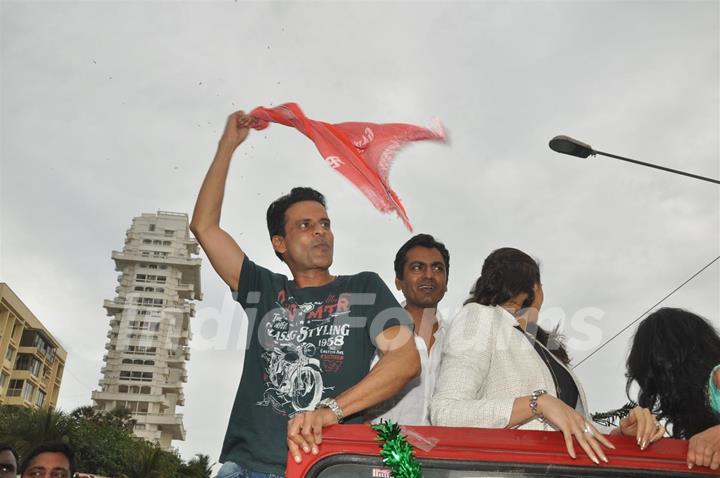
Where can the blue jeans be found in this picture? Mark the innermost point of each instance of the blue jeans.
(233, 470)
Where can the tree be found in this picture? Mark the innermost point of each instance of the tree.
(103, 442)
(197, 467)
(24, 428)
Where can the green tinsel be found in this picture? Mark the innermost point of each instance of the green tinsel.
(396, 453)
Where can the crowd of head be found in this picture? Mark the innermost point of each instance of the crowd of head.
(47, 460)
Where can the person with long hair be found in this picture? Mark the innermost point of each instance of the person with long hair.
(499, 369)
(675, 361)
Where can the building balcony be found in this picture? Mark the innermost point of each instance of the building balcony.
(180, 306)
(100, 396)
(17, 400)
(172, 423)
(171, 386)
(115, 306)
(125, 258)
(186, 291)
(38, 353)
(180, 356)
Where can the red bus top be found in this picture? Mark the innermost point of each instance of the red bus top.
(495, 450)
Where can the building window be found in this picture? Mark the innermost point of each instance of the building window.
(37, 340)
(151, 227)
(142, 325)
(150, 278)
(141, 350)
(138, 288)
(166, 243)
(147, 241)
(134, 389)
(169, 233)
(29, 363)
(15, 388)
(148, 301)
(134, 407)
(9, 354)
(151, 313)
(3, 380)
(27, 392)
(40, 400)
(127, 375)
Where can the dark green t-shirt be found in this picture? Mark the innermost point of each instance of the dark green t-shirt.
(304, 344)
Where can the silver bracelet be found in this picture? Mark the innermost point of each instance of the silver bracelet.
(533, 404)
(332, 404)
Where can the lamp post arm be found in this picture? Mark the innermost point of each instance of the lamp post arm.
(658, 167)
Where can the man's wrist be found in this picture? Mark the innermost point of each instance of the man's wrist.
(332, 405)
(227, 147)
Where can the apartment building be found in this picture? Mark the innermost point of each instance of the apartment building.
(148, 341)
(31, 360)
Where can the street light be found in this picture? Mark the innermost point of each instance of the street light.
(573, 147)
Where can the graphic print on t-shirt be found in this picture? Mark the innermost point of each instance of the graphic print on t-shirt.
(302, 342)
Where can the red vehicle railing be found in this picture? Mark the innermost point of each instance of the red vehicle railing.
(353, 451)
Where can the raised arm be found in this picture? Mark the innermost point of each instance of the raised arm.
(224, 253)
(398, 364)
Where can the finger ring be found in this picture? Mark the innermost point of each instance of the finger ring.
(657, 425)
(587, 429)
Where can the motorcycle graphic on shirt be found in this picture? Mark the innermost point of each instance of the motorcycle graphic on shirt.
(293, 370)
(294, 376)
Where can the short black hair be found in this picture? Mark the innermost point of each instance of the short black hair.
(50, 447)
(277, 209)
(5, 446)
(422, 240)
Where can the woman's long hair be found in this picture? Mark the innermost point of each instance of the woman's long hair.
(673, 353)
(506, 273)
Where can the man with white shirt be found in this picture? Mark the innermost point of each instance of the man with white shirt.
(421, 273)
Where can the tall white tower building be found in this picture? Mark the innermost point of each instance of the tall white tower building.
(150, 325)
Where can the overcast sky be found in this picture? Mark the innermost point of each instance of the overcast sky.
(112, 109)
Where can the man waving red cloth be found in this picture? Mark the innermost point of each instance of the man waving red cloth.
(362, 152)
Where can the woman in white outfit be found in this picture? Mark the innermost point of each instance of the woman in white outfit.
(500, 370)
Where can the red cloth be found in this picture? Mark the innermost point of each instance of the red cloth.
(362, 152)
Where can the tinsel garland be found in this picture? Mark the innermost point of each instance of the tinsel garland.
(396, 452)
(613, 417)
